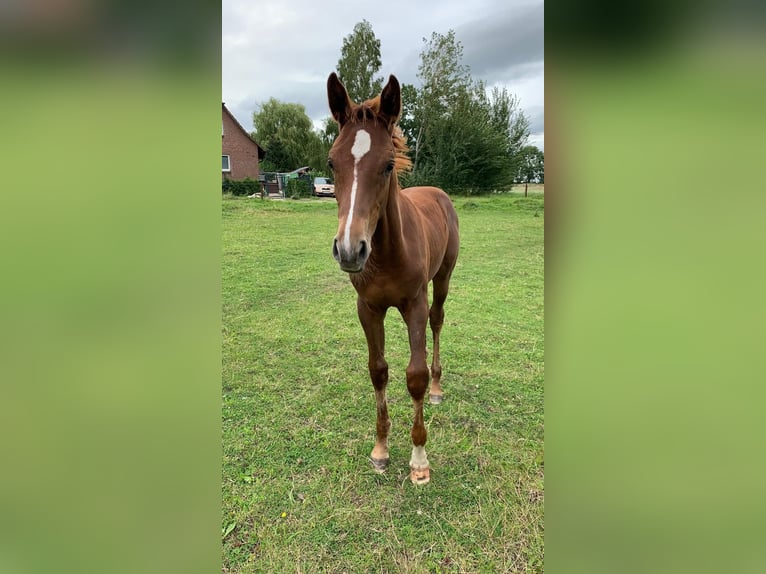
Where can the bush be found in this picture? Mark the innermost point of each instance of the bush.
(297, 188)
(245, 187)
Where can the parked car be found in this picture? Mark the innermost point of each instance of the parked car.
(323, 187)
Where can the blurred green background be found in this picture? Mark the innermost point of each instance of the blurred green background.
(110, 290)
(654, 281)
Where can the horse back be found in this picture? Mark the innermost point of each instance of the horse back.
(438, 218)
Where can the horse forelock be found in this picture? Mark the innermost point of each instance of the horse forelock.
(370, 111)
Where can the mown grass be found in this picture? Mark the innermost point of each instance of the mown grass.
(299, 494)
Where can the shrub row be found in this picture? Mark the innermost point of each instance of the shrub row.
(245, 187)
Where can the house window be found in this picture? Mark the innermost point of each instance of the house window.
(225, 163)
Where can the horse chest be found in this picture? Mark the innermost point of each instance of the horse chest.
(389, 289)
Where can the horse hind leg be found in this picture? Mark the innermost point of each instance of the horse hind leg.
(436, 319)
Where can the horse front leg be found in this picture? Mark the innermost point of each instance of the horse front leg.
(416, 317)
(372, 323)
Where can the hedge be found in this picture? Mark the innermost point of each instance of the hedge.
(244, 187)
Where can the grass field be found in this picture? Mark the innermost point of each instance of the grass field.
(299, 494)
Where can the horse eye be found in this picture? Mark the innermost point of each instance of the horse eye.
(329, 164)
(390, 167)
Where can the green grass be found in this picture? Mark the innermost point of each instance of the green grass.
(299, 494)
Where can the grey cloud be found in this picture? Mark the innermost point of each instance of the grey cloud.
(536, 116)
(286, 48)
(504, 44)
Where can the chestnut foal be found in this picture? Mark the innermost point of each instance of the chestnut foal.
(392, 242)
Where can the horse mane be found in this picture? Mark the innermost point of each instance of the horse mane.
(370, 110)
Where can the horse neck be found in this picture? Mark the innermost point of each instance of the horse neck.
(388, 240)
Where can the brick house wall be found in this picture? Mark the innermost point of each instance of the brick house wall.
(244, 153)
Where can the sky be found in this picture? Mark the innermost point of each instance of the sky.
(286, 49)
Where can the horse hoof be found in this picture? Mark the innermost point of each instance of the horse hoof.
(435, 399)
(420, 475)
(379, 464)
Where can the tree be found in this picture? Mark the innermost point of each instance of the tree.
(531, 167)
(316, 154)
(286, 133)
(359, 62)
(463, 138)
(443, 75)
(508, 119)
(468, 150)
(329, 131)
(409, 121)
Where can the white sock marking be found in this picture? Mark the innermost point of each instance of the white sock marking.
(418, 459)
(358, 150)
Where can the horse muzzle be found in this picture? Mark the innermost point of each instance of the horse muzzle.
(351, 257)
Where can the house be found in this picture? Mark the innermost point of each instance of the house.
(240, 154)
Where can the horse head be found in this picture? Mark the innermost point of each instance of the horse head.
(364, 160)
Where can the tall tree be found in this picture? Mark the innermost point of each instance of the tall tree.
(464, 137)
(359, 62)
(445, 78)
(286, 133)
(409, 121)
(507, 118)
(444, 81)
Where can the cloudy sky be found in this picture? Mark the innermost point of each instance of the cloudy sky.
(286, 48)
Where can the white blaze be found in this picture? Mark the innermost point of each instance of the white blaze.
(358, 150)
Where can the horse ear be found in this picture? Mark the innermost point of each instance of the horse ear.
(337, 96)
(391, 101)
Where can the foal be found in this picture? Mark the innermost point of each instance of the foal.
(392, 242)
